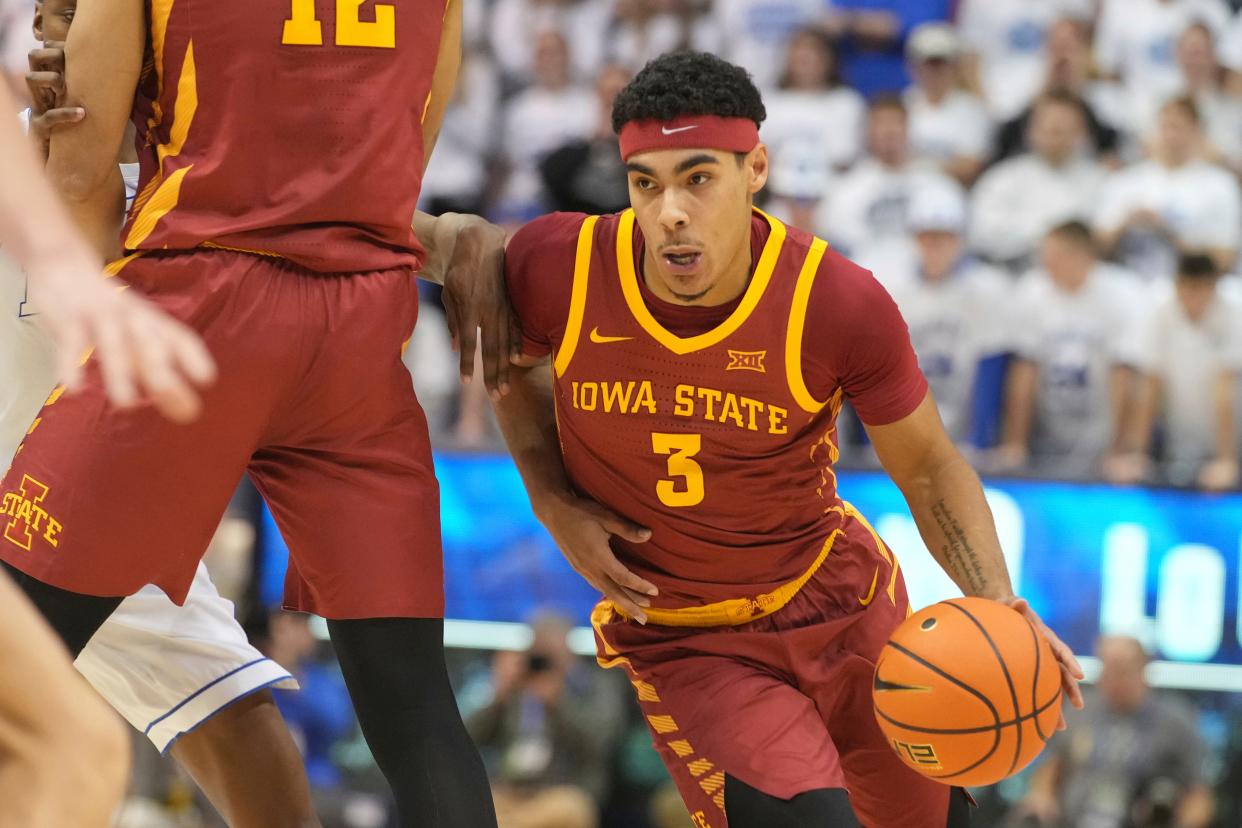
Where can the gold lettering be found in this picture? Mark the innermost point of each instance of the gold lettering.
(711, 397)
(752, 407)
(776, 420)
(684, 396)
(9, 506)
(646, 398)
(575, 388)
(731, 411)
(53, 528)
(617, 394)
(23, 511)
(590, 396)
(39, 517)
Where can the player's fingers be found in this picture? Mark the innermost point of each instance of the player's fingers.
(1064, 654)
(492, 358)
(62, 115)
(1069, 685)
(504, 348)
(1061, 725)
(116, 363)
(615, 525)
(171, 394)
(515, 337)
(71, 344)
(613, 592)
(623, 576)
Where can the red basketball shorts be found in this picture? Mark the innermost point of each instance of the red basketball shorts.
(312, 400)
(782, 703)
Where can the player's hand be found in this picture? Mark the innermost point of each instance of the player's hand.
(1071, 670)
(141, 351)
(582, 529)
(477, 304)
(46, 84)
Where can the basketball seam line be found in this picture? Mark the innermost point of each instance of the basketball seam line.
(966, 731)
(1035, 680)
(1013, 691)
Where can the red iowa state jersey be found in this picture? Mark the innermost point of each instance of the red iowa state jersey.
(714, 427)
(286, 127)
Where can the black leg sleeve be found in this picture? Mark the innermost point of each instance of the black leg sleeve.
(395, 671)
(823, 808)
(74, 617)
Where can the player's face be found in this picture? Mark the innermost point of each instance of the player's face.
(694, 208)
(52, 19)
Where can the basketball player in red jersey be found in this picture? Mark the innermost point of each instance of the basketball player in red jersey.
(274, 218)
(700, 353)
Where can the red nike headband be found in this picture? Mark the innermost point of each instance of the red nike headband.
(689, 132)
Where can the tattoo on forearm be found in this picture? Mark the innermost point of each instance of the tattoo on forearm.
(957, 552)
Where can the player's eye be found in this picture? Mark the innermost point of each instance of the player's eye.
(68, 15)
(700, 178)
(644, 183)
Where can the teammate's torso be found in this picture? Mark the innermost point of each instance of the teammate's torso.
(291, 127)
(703, 439)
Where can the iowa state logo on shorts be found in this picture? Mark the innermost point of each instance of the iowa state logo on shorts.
(29, 518)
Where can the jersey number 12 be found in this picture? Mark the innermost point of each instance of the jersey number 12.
(304, 29)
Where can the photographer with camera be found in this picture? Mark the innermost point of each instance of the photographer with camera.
(1132, 758)
(547, 733)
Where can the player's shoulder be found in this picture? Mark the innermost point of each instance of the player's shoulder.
(547, 232)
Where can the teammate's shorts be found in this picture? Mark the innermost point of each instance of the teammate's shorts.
(167, 669)
(782, 703)
(311, 399)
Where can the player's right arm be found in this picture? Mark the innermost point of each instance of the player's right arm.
(136, 345)
(539, 265)
(66, 755)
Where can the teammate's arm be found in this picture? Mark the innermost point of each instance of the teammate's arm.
(66, 755)
(580, 527)
(103, 58)
(444, 81)
(137, 346)
(946, 499)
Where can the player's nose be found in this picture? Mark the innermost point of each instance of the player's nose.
(673, 215)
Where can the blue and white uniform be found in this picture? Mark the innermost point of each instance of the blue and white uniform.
(165, 668)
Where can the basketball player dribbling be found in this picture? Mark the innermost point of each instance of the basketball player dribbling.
(275, 219)
(679, 448)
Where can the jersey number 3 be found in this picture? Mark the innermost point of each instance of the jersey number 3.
(303, 29)
(686, 486)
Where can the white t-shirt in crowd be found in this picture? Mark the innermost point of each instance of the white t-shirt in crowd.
(457, 168)
(754, 33)
(516, 25)
(626, 44)
(954, 323)
(1229, 45)
(810, 135)
(1200, 201)
(1008, 36)
(869, 205)
(1188, 358)
(1220, 111)
(1137, 39)
(957, 127)
(1020, 199)
(1075, 340)
(536, 122)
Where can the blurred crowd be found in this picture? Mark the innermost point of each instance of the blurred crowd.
(1050, 191)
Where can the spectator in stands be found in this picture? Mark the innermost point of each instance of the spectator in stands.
(516, 27)
(753, 33)
(641, 30)
(1190, 355)
(1136, 43)
(1132, 758)
(954, 305)
(547, 732)
(457, 179)
(1203, 79)
(1068, 70)
(867, 207)
(948, 125)
(1020, 199)
(587, 175)
(550, 113)
(1068, 387)
(872, 36)
(814, 127)
(1176, 199)
(1005, 45)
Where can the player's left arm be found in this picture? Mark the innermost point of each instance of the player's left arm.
(103, 59)
(946, 499)
(444, 81)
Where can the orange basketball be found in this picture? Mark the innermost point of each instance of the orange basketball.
(967, 691)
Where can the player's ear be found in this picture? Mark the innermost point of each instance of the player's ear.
(756, 166)
(38, 22)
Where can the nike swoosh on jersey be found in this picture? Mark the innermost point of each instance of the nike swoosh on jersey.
(600, 339)
(667, 131)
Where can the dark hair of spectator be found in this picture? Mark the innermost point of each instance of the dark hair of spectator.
(688, 83)
(1063, 97)
(1197, 266)
(1187, 105)
(887, 101)
(832, 77)
(1075, 232)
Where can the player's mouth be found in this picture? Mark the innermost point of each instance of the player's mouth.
(681, 261)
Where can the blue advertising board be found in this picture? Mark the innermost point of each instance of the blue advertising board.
(1162, 565)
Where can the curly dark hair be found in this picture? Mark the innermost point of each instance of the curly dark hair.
(688, 83)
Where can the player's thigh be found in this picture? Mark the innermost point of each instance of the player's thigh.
(168, 668)
(712, 716)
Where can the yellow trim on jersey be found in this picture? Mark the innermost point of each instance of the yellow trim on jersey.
(117, 265)
(168, 193)
(754, 292)
(217, 246)
(578, 298)
(882, 548)
(601, 615)
(734, 611)
(797, 323)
